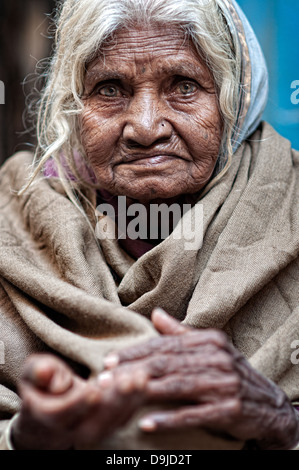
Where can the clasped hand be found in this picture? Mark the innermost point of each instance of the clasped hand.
(214, 385)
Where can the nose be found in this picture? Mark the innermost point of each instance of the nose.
(146, 122)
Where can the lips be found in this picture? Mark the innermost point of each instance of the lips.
(151, 158)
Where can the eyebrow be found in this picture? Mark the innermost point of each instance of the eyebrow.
(186, 69)
(103, 75)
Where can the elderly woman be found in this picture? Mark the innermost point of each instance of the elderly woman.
(127, 337)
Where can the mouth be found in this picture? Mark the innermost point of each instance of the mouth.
(149, 159)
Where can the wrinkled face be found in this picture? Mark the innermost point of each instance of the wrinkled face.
(151, 127)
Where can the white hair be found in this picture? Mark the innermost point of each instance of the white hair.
(82, 26)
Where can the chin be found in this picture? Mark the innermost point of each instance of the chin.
(148, 194)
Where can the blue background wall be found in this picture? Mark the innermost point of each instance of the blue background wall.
(276, 24)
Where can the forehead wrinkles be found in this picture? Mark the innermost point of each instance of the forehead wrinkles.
(139, 47)
(139, 43)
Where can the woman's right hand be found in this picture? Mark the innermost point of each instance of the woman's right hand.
(62, 411)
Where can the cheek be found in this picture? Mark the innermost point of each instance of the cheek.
(98, 136)
(203, 134)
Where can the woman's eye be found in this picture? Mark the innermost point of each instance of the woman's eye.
(187, 88)
(109, 90)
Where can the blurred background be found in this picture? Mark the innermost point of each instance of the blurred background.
(25, 40)
(276, 24)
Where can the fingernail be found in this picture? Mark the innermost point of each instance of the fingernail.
(147, 424)
(160, 311)
(111, 361)
(105, 379)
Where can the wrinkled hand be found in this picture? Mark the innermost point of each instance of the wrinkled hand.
(217, 387)
(62, 411)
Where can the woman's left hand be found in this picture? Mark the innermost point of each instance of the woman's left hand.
(217, 387)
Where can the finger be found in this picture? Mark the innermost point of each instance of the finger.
(125, 381)
(119, 400)
(47, 373)
(207, 359)
(176, 344)
(216, 415)
(206, 387)
(163, 322)
(113, 413)
(171, 357)
(62, 410)
(166, 324)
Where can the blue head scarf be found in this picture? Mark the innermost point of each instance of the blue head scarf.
(254, 74)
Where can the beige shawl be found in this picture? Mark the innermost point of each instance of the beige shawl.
(57, 291)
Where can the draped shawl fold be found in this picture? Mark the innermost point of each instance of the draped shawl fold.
(58, 293)
(57, 285)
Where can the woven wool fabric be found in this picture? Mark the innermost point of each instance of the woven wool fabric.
(58, 292)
